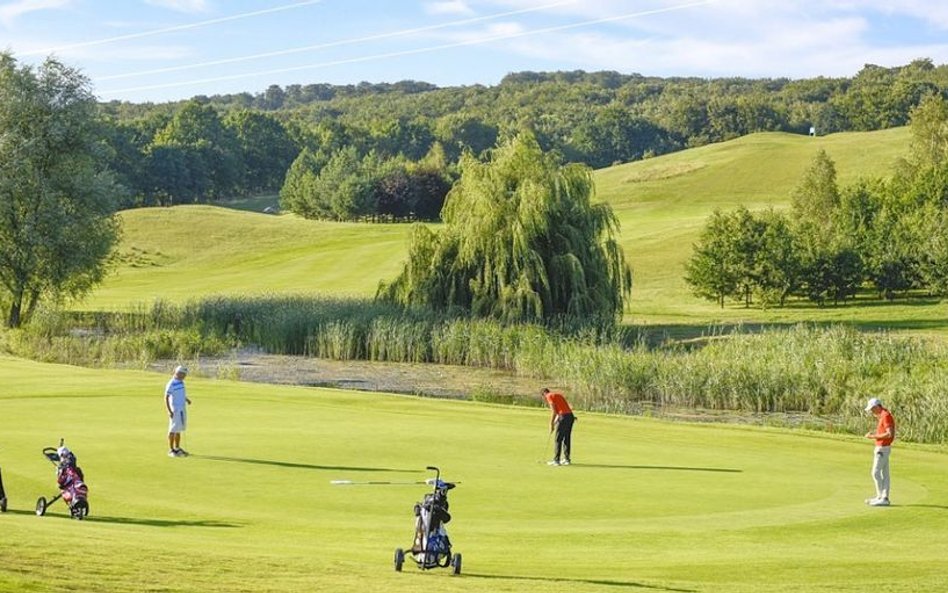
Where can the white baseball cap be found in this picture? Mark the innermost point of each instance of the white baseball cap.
(873, 402)
(181, 369)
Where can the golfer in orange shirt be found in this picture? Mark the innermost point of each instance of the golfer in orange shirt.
(561, 420)
(883, 436)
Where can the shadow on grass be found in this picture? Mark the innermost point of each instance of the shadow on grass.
(293, 465)
(723, 470)
(923, 506)
(160, 522)
(131, 520)
(604, 582)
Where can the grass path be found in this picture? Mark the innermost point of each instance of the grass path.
(649, 505)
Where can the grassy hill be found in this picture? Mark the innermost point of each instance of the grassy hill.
(662, 203)
(648, 505)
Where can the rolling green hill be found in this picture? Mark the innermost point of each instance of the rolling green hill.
(189, 251)
(648, 505)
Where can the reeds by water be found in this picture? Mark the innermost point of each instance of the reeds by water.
(823, 372)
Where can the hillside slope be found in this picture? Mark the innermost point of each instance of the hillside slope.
(190, 251)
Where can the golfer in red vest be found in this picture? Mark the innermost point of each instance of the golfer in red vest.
(561, 420)
(883, 436)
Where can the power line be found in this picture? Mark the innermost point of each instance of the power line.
(172, 29)
(409, 52)
(356, 40)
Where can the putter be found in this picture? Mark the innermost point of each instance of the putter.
(546, 448)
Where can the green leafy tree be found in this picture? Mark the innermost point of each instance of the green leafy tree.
(830, 273)
(213, 156)
(522, 241)
(57, 202)
(298, 187)
(815, 200)
(341, 190)
(614, 135)
(933, 262)
(458, 132)
(266, 150)
(777, 267)
(714, 269)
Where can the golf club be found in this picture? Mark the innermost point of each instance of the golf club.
(546, 448)
(429, 482)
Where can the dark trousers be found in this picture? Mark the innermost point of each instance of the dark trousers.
(564, 430)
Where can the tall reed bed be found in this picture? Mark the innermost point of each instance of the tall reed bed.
(823, 372)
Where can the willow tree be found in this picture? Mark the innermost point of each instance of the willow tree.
(522, 241)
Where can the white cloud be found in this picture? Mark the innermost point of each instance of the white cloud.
(448, 7)
(10, 11)
(753, 38)
(190, 6)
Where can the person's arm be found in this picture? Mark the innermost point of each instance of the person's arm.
(553, 418)
(889, 433)
(168, 405)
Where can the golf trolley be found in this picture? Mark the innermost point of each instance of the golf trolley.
(431, 547)
(69, 478)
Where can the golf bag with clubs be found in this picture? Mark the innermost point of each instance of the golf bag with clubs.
(431, 547)
(71, 482)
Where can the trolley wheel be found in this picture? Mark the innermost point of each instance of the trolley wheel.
(80, 510)
(41, 506)
(3, 504)
(456, 563)
(399, 559)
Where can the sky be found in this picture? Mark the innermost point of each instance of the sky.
(167, 50)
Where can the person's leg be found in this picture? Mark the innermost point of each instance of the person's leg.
(883, 471)
(567, 436)
(182, 427)
(177, 441)
(560, 435)
(171, 441)
(880, 470)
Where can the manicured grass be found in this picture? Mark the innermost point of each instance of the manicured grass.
(648, 505)
(190, 251)
(179, 253)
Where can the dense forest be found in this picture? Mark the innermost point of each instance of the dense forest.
(389, 151)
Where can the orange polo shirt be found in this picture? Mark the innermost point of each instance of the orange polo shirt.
(885, 421)
(558, 402)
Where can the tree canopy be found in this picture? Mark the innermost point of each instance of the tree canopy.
(523, 241)
(57, 201)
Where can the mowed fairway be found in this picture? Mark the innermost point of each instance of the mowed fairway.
(648, 506)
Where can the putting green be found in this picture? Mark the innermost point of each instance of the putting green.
(648, 505)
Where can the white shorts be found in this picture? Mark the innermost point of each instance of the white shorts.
(178, 422)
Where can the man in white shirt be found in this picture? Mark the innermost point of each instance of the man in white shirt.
(176, 403)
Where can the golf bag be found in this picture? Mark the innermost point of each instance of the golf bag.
(3, 496)
(431, 547)
(71, 483)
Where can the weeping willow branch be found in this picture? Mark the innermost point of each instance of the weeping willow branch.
(522, 241)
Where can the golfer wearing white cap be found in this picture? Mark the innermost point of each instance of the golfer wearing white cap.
(176, 403)
(883, 436)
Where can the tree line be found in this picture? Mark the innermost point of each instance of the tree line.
(889, 235)
(389, 151)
